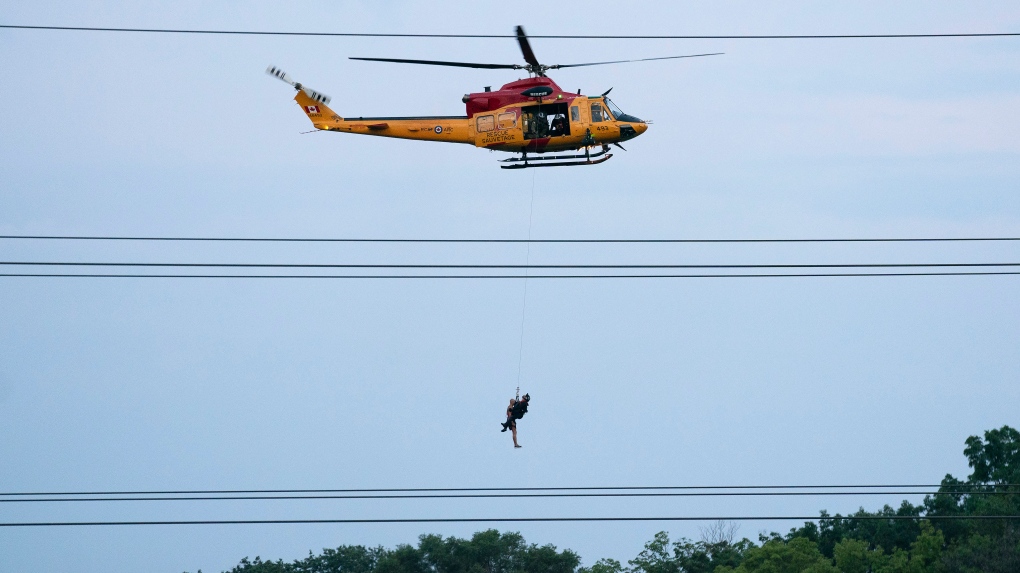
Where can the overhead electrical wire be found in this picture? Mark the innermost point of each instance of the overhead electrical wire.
(510, 520)
(385, 240)
(414, 493)
(509, 277)
(505, 267)
(447, 496)
(500, 266)
(960, 486)
(490, 36)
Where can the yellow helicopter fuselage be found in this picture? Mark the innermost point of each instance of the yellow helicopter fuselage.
(532, 115)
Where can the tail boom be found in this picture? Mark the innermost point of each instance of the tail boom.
(444, 128)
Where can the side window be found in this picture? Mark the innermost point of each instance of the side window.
(506, 120)
(596, 112)
(485, 123)
(575, 114)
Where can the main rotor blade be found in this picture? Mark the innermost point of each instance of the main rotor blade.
(558, 66)
(438, 63)
(522, 39)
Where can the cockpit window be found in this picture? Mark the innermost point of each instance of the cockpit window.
(618, 114)
(612, 107)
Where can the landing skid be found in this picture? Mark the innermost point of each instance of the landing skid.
(524, 162)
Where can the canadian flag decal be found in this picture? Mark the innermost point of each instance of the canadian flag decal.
(312, 108)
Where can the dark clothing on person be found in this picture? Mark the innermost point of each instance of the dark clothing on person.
(558, 126)
(514, 413)
(519, 409)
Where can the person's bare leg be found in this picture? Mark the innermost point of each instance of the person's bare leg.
(514, 428)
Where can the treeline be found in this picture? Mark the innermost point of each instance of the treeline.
(836, 544)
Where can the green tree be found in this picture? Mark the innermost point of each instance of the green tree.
(991, 489)
(686, 556)
(603, 566)
(798, 555)
(487, 551)
(984, 554)
(343, 559)
(854, 556)
(260, 566)
(656, 557)
(546, 559)
(890, 534)
(402, 559)
(996, 460)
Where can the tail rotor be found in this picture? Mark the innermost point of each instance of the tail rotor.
(283, 77)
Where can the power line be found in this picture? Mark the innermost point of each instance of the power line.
(385, 240)
(500, 266)
(544, 36)
(960, 486)
(508, 520)
(505, 495)
(507, 277)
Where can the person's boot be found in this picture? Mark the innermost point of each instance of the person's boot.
(504, 424)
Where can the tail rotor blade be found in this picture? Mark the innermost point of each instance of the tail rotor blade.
(279, 74)
(316, 96)
(283, 77)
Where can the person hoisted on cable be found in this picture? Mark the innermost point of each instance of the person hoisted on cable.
(515, 411)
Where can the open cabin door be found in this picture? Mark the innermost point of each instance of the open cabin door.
(545, 120)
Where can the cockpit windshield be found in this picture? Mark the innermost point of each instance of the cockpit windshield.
(612, 107)
(618, 114)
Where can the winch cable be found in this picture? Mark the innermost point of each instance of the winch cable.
(527, 263)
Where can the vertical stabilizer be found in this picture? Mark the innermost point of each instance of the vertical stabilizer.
(313, 103)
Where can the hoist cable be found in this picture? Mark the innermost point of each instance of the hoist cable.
(524, 303)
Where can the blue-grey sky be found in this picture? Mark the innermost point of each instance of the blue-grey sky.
(205, 384)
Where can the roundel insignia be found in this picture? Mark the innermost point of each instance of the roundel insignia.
(439, 129)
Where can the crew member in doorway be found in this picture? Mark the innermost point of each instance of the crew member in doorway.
(515, 411)
(558, 126)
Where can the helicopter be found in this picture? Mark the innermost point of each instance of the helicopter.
(532, 115)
